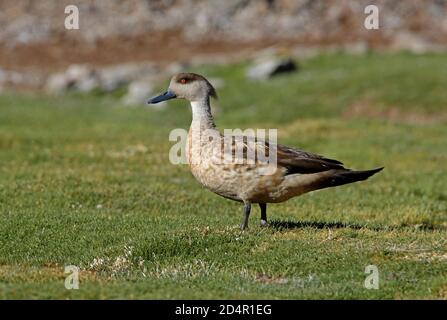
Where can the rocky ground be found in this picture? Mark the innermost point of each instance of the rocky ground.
(120, 39)
(26, 21)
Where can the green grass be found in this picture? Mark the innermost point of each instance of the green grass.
(82, 178)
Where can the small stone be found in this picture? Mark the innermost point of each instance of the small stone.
(116, 76)
(269, 67)
(78, 72)
(138, 92)
(412, 42)
(217, 83)
(359, 47)
(87, 85)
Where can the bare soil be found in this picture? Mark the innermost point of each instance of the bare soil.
(160, 47)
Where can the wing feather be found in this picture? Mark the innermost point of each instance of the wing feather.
(299, 161)
(294, 160)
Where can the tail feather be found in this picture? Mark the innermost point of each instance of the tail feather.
(341, 177)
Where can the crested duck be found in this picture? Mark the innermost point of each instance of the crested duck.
(293, 173)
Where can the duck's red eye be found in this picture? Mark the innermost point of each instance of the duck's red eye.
(183, 81)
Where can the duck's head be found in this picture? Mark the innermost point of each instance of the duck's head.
(189, 86)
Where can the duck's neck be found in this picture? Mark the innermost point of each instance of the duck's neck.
(201, 114)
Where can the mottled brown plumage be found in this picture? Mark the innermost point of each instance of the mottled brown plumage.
(245, 179)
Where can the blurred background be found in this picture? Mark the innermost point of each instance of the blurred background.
(122, 41)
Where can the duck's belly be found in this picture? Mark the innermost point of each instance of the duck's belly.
(218, 180)
(242, 182)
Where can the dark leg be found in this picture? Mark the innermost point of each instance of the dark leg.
(263, 207)
(247, 208)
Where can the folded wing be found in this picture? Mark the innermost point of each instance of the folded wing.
(294, 160)
(298, 161)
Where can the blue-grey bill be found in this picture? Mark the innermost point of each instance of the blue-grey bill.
(162, 97)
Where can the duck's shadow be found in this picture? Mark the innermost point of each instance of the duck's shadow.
(289, 224)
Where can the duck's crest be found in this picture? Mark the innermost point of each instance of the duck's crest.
(190, 77)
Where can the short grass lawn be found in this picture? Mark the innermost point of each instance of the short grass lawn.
(85, 181)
